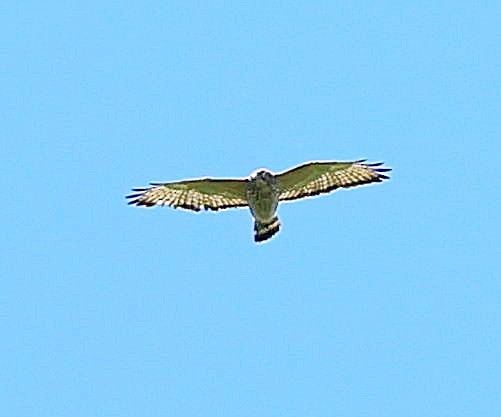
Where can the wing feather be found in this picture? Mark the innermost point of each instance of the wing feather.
(203, 193)
(313, 178)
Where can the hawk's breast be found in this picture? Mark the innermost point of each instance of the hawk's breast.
(263, 199)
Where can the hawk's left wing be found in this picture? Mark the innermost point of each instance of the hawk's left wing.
(203, 193)
(314, 178)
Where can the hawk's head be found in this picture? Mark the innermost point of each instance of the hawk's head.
(262, 174)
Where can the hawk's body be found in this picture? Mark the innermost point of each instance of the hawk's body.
(262, 191)
(262, 196)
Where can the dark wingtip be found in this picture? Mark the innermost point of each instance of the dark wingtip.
(377, 167)
(133, 195)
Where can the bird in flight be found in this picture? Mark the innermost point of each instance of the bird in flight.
(262, 191)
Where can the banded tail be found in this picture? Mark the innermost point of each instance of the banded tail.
(263, 231)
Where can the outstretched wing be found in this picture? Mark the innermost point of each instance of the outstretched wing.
(315, 178)
(204, 193)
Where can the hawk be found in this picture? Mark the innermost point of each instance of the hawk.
(261, 191)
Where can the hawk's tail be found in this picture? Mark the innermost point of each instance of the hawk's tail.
(263, 231)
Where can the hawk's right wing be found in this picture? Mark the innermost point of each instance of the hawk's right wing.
(203, 193)
(314, 178)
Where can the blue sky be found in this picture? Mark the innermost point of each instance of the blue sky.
(377, 301)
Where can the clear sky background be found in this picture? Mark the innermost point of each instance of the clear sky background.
(377, 301)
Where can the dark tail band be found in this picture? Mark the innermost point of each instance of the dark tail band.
(263, 231)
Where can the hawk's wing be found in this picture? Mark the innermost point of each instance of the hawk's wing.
(203, 193)
(315, 178)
